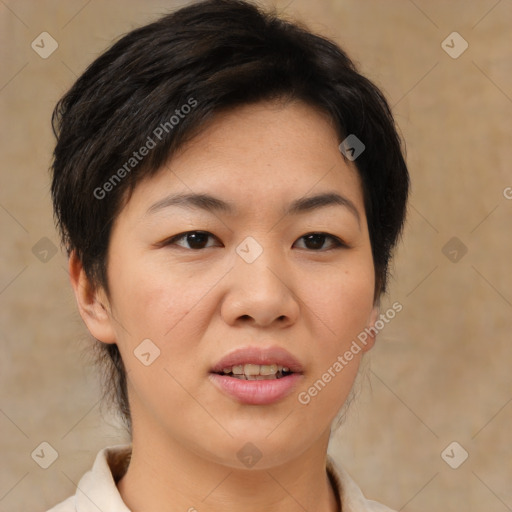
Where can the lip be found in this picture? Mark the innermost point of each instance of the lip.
(256, 392)
(258, 355)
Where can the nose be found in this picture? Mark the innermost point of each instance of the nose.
(261, 293)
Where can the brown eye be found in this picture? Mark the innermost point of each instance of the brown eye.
(316, 241)
(194, 240)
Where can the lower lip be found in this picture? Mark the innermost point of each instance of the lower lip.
(256, 392)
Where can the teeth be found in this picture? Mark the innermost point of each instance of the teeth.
(268, 369)
(260, 377)
(252, 369)
(238, 370)
(255, 377)
(256, 370)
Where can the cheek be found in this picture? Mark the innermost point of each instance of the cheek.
(341, 301)
(152, 302)
(340, 309)
(169, 310)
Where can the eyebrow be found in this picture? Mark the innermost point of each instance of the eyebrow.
(214, 204)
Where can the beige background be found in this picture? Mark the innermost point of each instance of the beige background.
(441, 369)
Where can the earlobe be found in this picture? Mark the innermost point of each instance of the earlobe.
(374, 315)
(92, 302)
(371, 330)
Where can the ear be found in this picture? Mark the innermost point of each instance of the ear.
(92, 302)
(371, 330)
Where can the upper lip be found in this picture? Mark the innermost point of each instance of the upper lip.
(258, 355)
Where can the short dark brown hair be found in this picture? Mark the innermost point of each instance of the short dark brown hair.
(159, 84)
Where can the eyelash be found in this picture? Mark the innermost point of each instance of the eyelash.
(338, 243)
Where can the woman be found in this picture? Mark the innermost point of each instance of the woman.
(229, 190)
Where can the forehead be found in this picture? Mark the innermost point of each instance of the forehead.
(253, 155)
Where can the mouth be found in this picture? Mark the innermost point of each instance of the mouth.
(250, 371)
(256, 375)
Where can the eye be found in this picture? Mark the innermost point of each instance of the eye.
(316, 241)
(195, 240)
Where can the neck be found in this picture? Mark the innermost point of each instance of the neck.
(167, 477)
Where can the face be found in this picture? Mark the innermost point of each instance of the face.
(224, 258)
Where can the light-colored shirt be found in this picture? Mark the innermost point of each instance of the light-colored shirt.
(97, 489)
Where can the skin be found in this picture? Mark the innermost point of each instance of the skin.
(197, 305)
